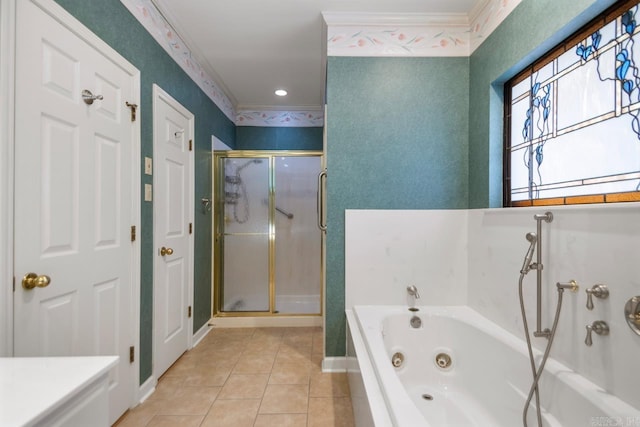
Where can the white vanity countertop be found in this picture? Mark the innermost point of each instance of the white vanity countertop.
(32, 387)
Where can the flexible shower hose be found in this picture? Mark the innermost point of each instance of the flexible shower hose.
(537, 373)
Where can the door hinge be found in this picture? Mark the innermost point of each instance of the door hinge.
(190, 228)
(189, 311)
(191, 145)
(132, 352)
(133, 108)
(14, 283)
(133, 233)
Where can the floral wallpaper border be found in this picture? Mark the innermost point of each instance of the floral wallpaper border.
(153, 21)
(398, 41)
(280, 118)
(430, 39)
(372, 40)
(488, 19)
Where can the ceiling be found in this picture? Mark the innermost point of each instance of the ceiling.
(250, 48)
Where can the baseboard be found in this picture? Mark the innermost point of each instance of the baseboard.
(200, 334)
(265, 321)
(146, 389)
(334, 364)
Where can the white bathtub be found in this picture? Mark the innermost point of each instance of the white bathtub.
(486, 384)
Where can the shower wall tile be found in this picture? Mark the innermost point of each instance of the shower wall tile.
(474, 257)
(589, 244)
(388, 250)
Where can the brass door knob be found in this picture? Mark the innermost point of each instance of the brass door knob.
(166, 251)
(31, 280)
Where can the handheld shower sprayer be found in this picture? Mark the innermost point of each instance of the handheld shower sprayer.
(526, 265)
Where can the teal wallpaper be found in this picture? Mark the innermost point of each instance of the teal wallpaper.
(112, 22)
(396, 139)
(534, 27)
(278, 138)
(403, 133)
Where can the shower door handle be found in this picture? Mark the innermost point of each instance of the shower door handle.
(320, 200)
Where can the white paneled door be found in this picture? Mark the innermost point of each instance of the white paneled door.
(173, 128)
(73, 198)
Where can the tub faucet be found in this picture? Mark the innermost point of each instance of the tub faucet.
(413, 291)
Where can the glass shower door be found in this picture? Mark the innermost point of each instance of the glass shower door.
(298, 241)
(246, 235)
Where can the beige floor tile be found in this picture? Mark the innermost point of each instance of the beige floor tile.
(232, 413)
(217, 360)
(214, 385)
(330, 411)
(167, 388)
(175, 421)
(316, 362)
(206, 376)
(140, 415)
(283, 373)
(329, 385)
(254, 363)
(241, 386)
(268, 332)
(189, 401)
(184, 366)
(263, 345)
(298, 340)
(291, 355)
(281, 420)
(285, 399)
(317, 343)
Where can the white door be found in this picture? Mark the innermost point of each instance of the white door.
(73, 200)
(173, 128)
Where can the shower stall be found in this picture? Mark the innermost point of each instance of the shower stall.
(267, 242)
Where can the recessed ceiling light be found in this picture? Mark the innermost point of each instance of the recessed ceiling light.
(281, 92)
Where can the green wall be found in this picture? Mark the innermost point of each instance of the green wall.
(113, 23)
(426, 133)
(396, 139)
(403, 133)
(533, 28)
(278, 138)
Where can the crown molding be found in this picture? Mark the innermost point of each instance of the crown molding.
(478, 9)
(414, 34)
(158, 25)
(193, 47)
(367, 19)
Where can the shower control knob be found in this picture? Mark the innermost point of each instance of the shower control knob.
(600, 327)
(598, 291)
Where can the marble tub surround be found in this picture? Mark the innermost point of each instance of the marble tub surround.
(473, 258)
(254, 377)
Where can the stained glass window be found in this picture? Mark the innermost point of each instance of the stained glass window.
(573, 118)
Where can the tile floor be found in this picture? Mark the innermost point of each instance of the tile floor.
(254, 377)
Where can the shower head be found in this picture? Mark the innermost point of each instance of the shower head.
(526, 265)
(250, 162)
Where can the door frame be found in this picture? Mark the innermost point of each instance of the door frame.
(161, 94)
(7, 183)
(7, 78)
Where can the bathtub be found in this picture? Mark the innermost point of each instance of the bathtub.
(485, 383)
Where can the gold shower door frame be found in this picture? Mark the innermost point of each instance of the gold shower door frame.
(218, 231)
